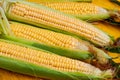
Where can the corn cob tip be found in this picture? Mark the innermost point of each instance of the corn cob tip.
(101, 10)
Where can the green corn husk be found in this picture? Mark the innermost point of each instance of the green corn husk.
(4, 22)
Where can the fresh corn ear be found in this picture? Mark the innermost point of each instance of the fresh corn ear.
(84, 11)
(46, 36)
(38, 1)
(45, 17)
(31, 61)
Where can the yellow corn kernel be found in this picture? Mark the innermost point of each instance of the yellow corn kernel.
(46, 59)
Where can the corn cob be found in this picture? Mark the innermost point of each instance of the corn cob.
(38, 61)
(84, 11)
(42, 16)
(46, 36)
(59, 0)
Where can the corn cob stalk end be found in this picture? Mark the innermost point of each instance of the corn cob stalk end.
(115, 47)
(114, 17)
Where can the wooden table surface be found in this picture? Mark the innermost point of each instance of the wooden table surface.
(113, 30)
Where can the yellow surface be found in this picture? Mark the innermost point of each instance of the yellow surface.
(7, 75)
(106, 4)
(113, 30)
